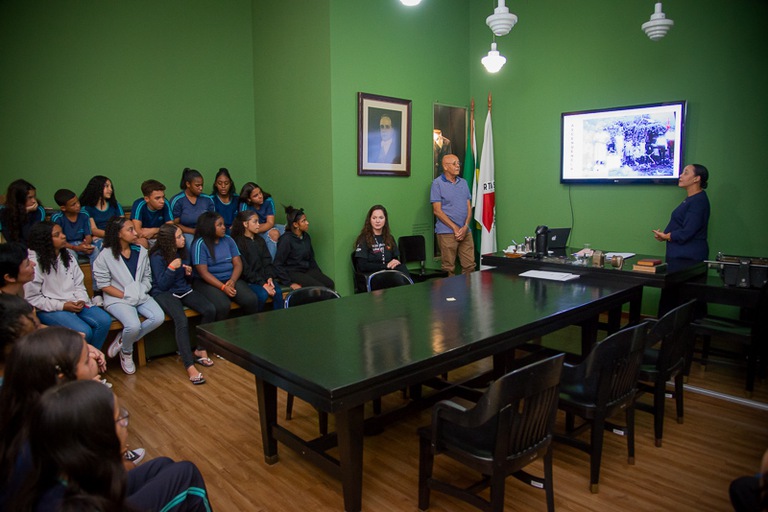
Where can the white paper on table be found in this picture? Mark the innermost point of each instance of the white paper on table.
(551, 276)
(625, 255)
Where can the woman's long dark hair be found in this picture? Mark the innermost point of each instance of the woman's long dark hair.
(206, 229)
(112, 234)
(245, 193)
(14, 215)
(366, 234)
(41, 242)
(94, 192)
(72, 433)
(238, 229)
(166, 244)
(38, 361)
(232, 190)
(187, 175)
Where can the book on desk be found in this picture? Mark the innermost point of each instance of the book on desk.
(659, 268)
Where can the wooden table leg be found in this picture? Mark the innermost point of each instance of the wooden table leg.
(589, 334)
(349, 428)
(267, 398)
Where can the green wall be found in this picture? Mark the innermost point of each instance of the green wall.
(142, 89)
(132, 90)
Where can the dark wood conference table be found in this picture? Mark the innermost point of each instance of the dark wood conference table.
(339, 354)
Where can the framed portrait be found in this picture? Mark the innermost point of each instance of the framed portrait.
(383, 136)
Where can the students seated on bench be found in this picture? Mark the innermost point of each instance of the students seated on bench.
(171, 288)
(218, 267)
(57, 290)
(123, 273)
(258, 270)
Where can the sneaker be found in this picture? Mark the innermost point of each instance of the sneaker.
(135, 456)
(126, 362)
(108, 384)
(116, 345)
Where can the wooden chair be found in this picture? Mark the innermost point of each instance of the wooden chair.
(413, 248)
(604, 383)
(300, 297)
(509, 427)
(668, 342)
(387, 279)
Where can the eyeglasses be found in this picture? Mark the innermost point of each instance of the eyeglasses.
(385, 127)
(122, 420)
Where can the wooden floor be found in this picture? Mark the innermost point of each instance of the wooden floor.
(216, 426)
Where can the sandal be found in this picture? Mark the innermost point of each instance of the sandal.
(204, 361)
(197, 380)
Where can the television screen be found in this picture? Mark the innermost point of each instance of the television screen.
(640, 144)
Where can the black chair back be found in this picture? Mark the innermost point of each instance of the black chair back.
(308, 295)
(412, 248)
(387, 279)
(359, 278)
(675, 333)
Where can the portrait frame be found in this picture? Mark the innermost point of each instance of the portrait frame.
(379, 117)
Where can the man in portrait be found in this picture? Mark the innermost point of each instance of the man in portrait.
(385, 149)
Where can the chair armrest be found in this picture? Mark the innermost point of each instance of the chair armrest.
(450, 412)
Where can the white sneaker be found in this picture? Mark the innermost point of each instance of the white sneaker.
(136, 455)
(116, 345)
(108, 384)
(126, 362)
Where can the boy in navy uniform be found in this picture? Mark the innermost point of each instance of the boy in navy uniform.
(75, 224)
(150, 212)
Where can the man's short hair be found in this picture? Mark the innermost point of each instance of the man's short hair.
(150, 186)
(63, 195)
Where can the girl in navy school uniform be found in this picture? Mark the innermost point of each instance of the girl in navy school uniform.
(226, 202)
(57, 290)
(258, 270)
(190, 203)
(77, 432)
(218, 267)
(20, 212)
(99, 201)
(172, 275)
(253, 197)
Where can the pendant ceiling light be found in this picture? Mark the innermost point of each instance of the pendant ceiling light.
(501, 21)
(410, 3)
(494, 61)
(658, 26)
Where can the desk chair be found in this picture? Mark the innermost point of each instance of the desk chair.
(509, 427)
(751, 334)
(387, 279)
(413, 248)
(668, 342)
(601, 385)
(299, 297)
(359, 278)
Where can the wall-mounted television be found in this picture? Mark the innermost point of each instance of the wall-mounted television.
(638, 144)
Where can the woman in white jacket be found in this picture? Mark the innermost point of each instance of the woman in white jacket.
(123, 273)
(57, 290)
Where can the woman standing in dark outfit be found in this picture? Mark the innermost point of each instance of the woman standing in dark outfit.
(375, 247)
(295, 259)
(686, 233)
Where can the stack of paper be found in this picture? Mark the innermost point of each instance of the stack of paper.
(552, 276)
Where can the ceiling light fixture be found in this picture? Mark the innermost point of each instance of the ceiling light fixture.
(410, 3)
(501, 21)
(494, 61)
(658, 26)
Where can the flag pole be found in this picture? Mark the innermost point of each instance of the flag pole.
(489, 101)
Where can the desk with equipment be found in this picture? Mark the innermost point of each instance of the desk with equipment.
(337, 355)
